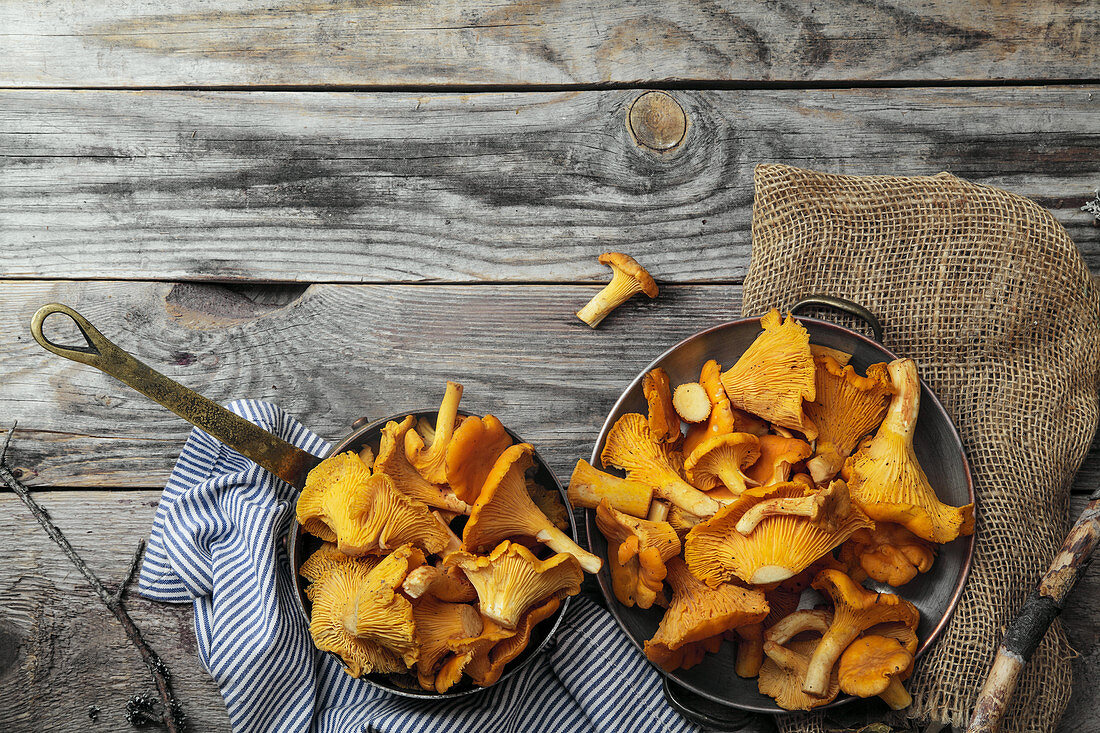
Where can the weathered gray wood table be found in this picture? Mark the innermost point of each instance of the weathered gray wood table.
(338, 206)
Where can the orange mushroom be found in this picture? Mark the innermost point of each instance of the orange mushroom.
(664, 423)
(828, 508)
(511, 580)
(384, 519)
(474, 448)
(686, 656)
(588, 485)
(437, 623)
(431, 460)
(471, 652)
(854, 610)
(628, 278)
(799, 622)
(889, 553)
(874, 665)
(393, 462)
(778, 548)
(630, 446)
(783, 674)
(485, 668)
(750, 650)
(505, 509)
(330, 499)
(777, 455)
(324, 559)
(719, 461)
(887, 482)
(775, 374)
(846, 408)
(699, 611)
(637, 552)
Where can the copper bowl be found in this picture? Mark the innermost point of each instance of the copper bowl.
(711, 692)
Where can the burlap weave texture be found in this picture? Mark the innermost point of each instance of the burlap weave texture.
(991, 297)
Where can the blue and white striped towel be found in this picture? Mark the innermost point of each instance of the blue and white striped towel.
(215, 542)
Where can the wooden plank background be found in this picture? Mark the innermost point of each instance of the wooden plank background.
(50, 43)
(337, 206)
(339, 187)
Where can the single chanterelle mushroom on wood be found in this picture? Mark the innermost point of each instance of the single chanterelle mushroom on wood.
(393, 462)
(855, 609)
(630, 446)
(887, 482)
(629, 278)
(511, 580)
(430, 461)
(875, 665)
(775, 374)
(505, 509)
(779, 547)
(846, 408)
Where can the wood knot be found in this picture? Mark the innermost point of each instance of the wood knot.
(657, 121)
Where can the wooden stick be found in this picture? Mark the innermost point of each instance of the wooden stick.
(1030, 626)
(139, 707)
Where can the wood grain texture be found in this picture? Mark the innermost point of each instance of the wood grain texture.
(191, 42)
(61, 653)
(344, 187)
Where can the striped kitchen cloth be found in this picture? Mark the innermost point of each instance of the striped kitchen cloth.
(216, 543)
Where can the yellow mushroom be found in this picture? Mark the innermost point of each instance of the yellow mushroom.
(777, 455)
(437, 623)
(627, 279)
(664, 422)
(393, 462)
(588, 486)
(719, 461)
(637, 552)
(332, 496)
(474, 448)
(430, 460)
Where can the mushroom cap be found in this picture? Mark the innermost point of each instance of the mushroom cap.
(631, 447)
(846, 408)
(471, 652)
(854, 610)
(685, 656)
(333, 623)
(664, 422)
(384, 616)
(437, 623)
(775, 374)
(430, 461)
(783, 673)
(393, 462)
(474, 448)
(889, 553)
(870, 663)
(885, 478)
(324, 559)
(511, 579)
(699, 611)
(387, 519)
(332, 494)
(638, 549)
(776, 456)
(718, 461)
(778, 548)
(628, 266)
(485, 669)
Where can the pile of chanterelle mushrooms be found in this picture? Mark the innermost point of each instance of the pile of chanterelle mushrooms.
(395, 590)
(789, 456)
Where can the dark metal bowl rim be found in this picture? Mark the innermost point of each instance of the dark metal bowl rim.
(812, 324)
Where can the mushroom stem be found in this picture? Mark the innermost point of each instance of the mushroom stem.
(750, 650)
(688, 498)
(558, 541)
(896, 696)
(614, 294)
(658, 511)
(801, 507)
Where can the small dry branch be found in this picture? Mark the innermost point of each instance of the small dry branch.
(171, 716)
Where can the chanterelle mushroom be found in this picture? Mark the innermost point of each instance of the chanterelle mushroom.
(874, 665)
(630, 447)
(777, 455)
(627, 279)
(393, 462)
(640, 546)
(775, 374)
(324, 559)
(887, 482)
(329, 501)
(828, 508)
(784, 672)
(505, 509)
(779, 546)
(889, 553)
(437, 623)
(588, 486)
(664, 423)
(511, 580)
(474, 448)
(719, 461)
(699, 611)
(847, 407)
(431, 461)
(385, 519)
(854, 610)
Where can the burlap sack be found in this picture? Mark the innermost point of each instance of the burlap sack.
(989, 295)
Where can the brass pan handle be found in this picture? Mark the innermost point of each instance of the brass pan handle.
(844, 306)
(286, 461)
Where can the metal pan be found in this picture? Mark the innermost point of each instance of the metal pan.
(711, 692)
(286, 461)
